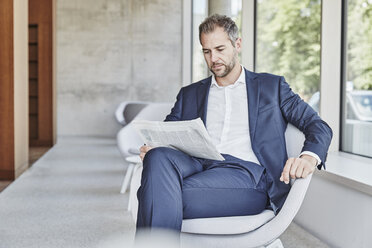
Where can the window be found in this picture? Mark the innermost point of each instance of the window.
(288, 43)
(357, 86)
(199, 67)
(201, 9)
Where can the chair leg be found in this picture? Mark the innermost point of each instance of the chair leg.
(127, 177)
(275, 244)
(129, 203)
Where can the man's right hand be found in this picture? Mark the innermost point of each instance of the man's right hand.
(143, 150)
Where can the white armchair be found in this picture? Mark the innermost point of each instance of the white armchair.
(128, 140)
(262, 230)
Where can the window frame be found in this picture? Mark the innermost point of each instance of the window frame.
(332, 75)
(187, 39)
(330, 63)
(343, 105)
(332, 88)
(333, 45)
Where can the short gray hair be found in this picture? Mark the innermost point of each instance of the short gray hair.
(225, 22)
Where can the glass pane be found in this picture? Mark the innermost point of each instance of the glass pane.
(200, 12)
(357, 93)
(236, 15)
(199, 67)
(288, 44)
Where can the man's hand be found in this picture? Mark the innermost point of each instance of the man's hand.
(298, 167)
(143, 150)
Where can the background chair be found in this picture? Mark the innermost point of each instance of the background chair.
(127, 110)
(262, 230)
(129, 141)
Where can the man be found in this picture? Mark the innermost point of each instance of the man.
(246, 115)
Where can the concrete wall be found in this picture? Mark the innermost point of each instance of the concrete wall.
(338, 215)
(110, 51)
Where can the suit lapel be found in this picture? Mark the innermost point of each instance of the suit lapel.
(202, 99)
(253, 93)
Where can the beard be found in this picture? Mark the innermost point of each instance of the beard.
(227, 67)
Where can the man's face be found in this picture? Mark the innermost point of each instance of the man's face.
(221, 56)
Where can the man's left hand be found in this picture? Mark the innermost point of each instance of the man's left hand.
(298, 168)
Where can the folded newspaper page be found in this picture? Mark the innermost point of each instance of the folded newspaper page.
(190, 137)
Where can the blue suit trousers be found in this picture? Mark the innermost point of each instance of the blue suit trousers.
(176, 186)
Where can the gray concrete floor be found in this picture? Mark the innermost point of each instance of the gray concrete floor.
(70, 198)
(297, 237)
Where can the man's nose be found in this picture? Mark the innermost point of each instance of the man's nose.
(213, 57)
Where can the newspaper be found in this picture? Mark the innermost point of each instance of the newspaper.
(190, 137)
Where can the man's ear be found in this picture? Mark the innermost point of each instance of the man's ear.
(238, 44)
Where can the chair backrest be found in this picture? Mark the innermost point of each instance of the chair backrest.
(294, 140)
(133, 109)
(154, 112)
(126, 111)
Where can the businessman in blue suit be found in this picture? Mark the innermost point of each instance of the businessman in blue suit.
(246, 115)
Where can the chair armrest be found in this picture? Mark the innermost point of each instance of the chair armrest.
(134, 160)
(134, 151)
(274, 228)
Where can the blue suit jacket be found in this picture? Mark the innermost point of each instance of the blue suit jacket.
(271, 105)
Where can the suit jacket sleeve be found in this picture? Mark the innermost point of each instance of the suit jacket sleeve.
(176, 112)
(318, 134)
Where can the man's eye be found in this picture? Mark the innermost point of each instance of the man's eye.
(220, 50)
(205, 52)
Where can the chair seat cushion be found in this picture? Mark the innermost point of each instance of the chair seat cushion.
(226, 225)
